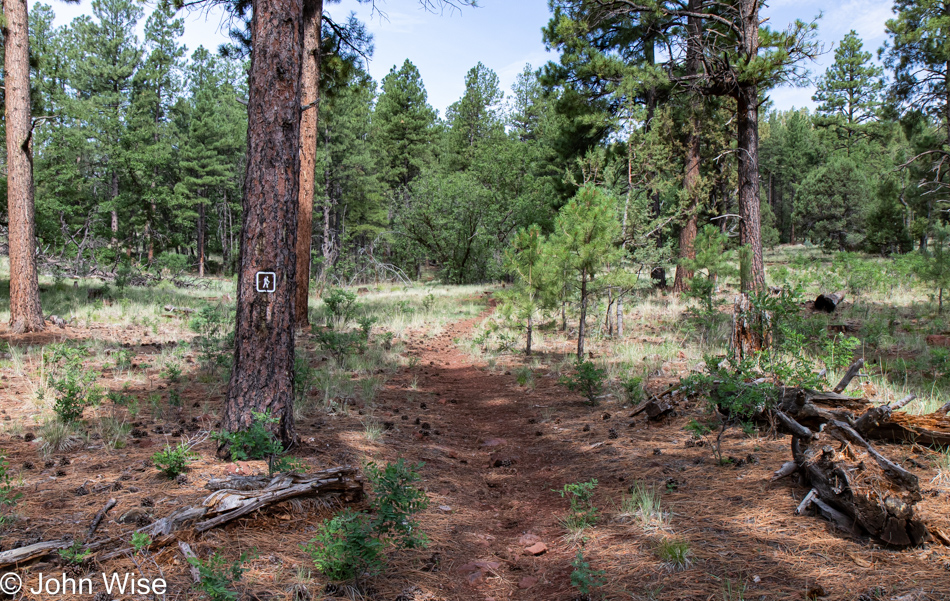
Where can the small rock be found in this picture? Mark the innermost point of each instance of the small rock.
(536, 549)
(527, 582)
(657, 451)
(528, 539)
(445, 508)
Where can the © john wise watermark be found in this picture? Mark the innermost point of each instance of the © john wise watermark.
(128, 583)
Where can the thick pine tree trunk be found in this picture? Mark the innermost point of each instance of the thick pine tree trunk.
(527, 348)
(749, 220)
(747, 100)
(262, 375)
(26, 315)
(691, 177)
(310, 98)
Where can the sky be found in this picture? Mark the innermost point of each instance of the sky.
(506, 35)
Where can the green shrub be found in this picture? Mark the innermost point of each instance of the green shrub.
(218, 577)
(172, 461)
(140, 540)
(633, 388)
(340, 345)
(8, 498)
(75, 553)
(346, 547)
(340, 305)
(583, 578)
(257, 442)
(583, 513)
(587, 379)
(395, 501)
(214, 340)
(73, 389)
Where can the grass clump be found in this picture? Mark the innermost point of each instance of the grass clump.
(644, 505)
(675, 553)
(8, 496)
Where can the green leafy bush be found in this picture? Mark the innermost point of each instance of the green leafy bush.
(172, 461)
(218, 577)
(75, 553)
(583, 513)
(587, 379)
(340, 305)
(140, 540)
(214, 340)
(8, 497)
(346, 547)
(633, 388)
(257, 442)
(395, 501)
(73, 388)
(583, 578)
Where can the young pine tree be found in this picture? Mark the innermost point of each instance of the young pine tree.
(533, 287)
(585, 232)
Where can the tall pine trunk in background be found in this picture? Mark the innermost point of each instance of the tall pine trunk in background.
(201, 239)
(262, 378)
(26, 315)
(310, 98)
(693, 147)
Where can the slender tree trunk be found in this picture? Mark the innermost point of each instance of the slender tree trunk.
(26, 315)
(262, 375)
(310, 98)
(201, 240)
(583, 322)
(527, 348)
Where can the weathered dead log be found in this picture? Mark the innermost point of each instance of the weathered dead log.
(788, 468)
(30, 552)
(174, 309)
(239, 483)
(658, 408)
(829, 302)
(189, 555)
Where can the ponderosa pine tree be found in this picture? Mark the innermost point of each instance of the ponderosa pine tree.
(262, 377)
(849, 91)
(26, 315)
(403, 122)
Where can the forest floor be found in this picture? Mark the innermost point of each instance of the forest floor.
(496, 453)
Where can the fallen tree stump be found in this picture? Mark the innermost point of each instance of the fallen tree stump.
(829, 302)
(856, 487)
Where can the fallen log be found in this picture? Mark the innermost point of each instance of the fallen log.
(829, 302)
(30, 552)
(849, 375)
(174, 309)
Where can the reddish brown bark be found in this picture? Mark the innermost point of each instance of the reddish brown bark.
(262, 374)
(691, 181)
(26, 315)
(201, 239)
(747, 100)
(310, 98)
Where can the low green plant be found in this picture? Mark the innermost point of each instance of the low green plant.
(172, 372)
(140, 540)
(428, 302)
(733, 591)
(643, 504)
(524, 375)
(122, 358)
(340, 305)
(217, 576)
(75, 553)
(675, 553)
(73, 389)
(346, 547)
(257, 442)
(583, 513)
(697, 429)
(396, 500)
(588, 379)
(8, 494)
(341, 344)
(583, 578)
(214, 340)
(173, 461)
(633, 389)
(174, 398)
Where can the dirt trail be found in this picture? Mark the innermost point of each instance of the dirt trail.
(490, 469)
